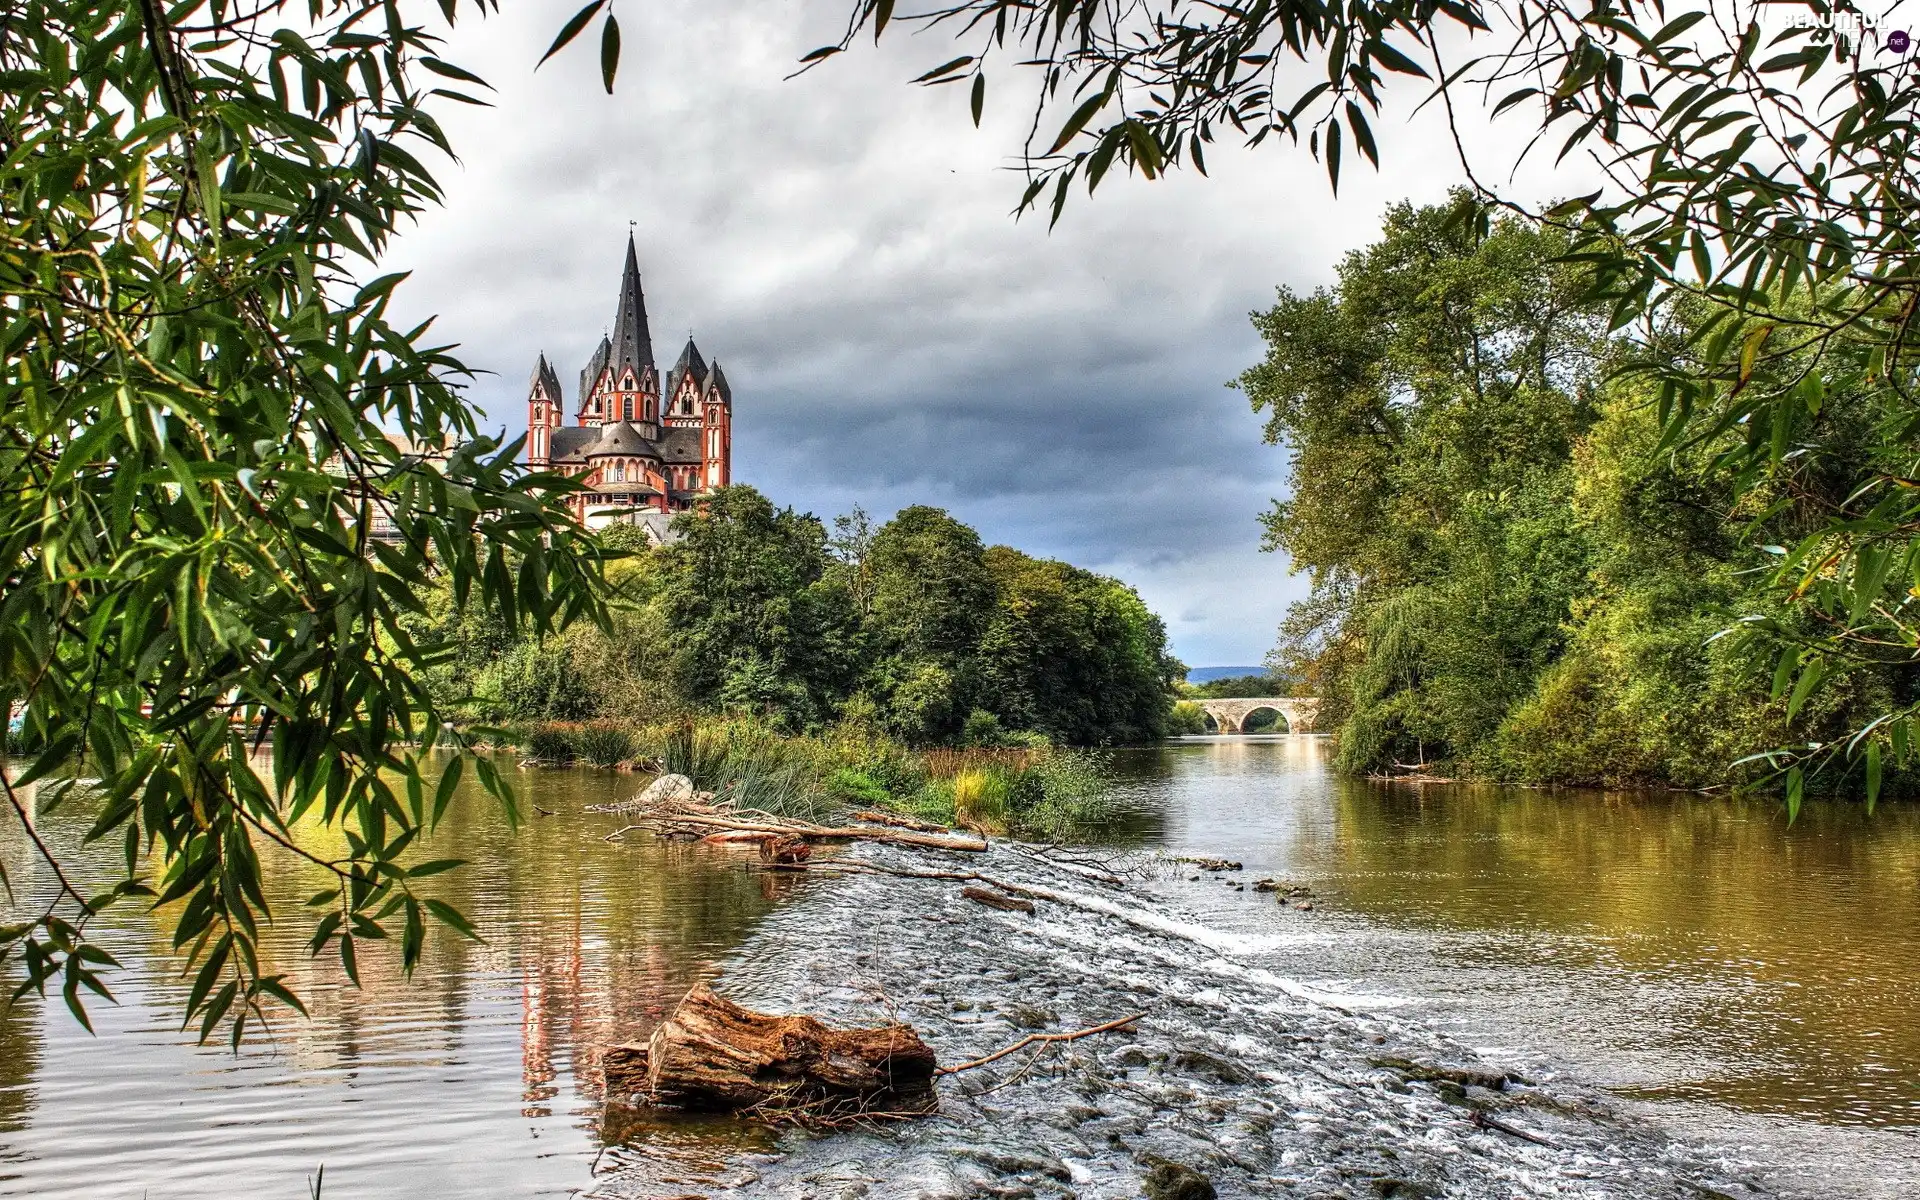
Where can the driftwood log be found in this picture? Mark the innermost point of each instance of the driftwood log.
(714, 1055)
(993, 899)
(681, 817)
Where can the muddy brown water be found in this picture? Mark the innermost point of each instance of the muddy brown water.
(1731, 978)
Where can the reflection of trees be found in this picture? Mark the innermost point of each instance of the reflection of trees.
(19, 1032)
(19, 1063)
(1790, 946)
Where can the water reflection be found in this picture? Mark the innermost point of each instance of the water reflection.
(480, 1076)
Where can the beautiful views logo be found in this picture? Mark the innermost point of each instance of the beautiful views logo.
(1857, 27)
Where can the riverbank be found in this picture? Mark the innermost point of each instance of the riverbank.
(1261, 1084)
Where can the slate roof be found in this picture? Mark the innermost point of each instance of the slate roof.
(622, 437)
(571, 441)
(544, 379)
(718, 379)
(680, 445)
(595, 365)
(690, 360)
(632, 343)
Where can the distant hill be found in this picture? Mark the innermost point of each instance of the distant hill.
(1204, 674)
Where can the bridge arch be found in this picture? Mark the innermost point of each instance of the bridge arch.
(1279, 724)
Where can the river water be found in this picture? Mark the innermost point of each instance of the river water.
(1729, 980)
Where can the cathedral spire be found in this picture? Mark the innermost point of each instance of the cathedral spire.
(632, 344)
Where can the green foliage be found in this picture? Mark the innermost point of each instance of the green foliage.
(1238, 686)
(536, 680)
(915, 628)
(932, 599)
(209, 407)
(1522, 583)
(1430, 402)
(982, 728)
(1187, 718)
(757, 625)
(1064, 795)
(852, 786)
(1074, 655)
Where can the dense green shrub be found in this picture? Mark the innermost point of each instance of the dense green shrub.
(538, 681)
(852, 786)
(1068, 794)
(1186, 718)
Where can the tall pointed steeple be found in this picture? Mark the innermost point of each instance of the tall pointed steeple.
(632, 343)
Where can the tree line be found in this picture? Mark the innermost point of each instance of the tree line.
(1512, 573)
(915, 627)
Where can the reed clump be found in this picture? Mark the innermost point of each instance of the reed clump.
(1052, 793)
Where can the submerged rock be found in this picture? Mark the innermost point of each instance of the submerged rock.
(665, 788)
(1169, 1180)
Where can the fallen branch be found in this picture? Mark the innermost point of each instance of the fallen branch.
(878, 817)
(1485, 1121)
(1035, 1039)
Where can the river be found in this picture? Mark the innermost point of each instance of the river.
(1742, 985)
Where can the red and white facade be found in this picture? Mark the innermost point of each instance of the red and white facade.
(644, 447)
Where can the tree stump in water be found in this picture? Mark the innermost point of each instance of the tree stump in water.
(713, 1054)
(786, 851)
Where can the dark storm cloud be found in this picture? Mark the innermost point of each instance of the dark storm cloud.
(842, 244)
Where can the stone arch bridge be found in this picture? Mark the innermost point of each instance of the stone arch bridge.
(1231, 715)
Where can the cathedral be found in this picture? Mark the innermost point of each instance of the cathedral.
(643, 447)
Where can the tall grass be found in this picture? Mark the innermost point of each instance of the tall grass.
(980, 799)
(949, 764)
(749, 764)
(605, 743)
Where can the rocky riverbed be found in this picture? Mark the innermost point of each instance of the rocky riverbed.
(1234, 1081)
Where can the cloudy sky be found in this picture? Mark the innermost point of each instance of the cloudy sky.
(843, 244)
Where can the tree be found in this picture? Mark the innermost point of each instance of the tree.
(1430, 402)
(206, 408)
(1075, 655)
(1507, 575)
(932, 600)
(851, 546)
(755, 621)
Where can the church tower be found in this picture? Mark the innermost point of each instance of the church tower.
(545, 409)
(642, 448)
(621, 383)
(716, 429)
